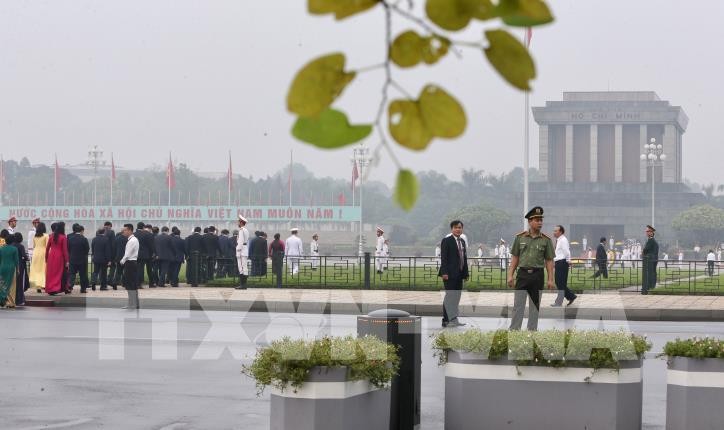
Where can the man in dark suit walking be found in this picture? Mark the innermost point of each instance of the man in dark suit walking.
(78, 249)
(601, 260)
(145, 254)
(211, 251)
(179, 252)
(101, 260)
(119, 248)
(453, 270)
(194, 249)
(166, 255)
(111, 235)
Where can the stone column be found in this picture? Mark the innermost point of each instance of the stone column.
(618, 152)
(643, 134)
(543, 151)
(569, 153)
(670, 135)
(594, 152)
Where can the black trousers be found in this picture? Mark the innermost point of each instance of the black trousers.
(100, 270)
(155, 271)
(174, 269)
(562, 282)
(130, 275)
(115, 274)
(602, 270)
(82, 271)
(451, 302)
(193, 269)
(142, 264)
(710, 267)
(164, 272)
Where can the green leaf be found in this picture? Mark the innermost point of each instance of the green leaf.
(455, 15)
(434, 48)
(409, 48)
(413, 124)
(407, 189)
(330, 130)
(510, 58)
(407, 126)
(406, 49)
(317, 85)
(442, 114)
(340, 8)
(524, 13)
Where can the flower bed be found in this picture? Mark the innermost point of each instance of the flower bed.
(519, 380)
(695, 384)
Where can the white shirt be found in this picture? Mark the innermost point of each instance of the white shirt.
(480, 252)
(131, 250)
(31, 244)
(294, 246)
(563, 249)
(710, 257)
(314, 247)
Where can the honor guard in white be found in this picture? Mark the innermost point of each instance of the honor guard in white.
(314, 251)
(294, 250)
(380, 250)
(242, 253)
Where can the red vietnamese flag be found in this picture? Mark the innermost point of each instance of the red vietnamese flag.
(170, 179)
(113, 168)
(229, 175)
(528, 36)
(341, 199)
(355, 176)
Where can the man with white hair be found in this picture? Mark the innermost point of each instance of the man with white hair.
(294, 250)
(242, 253)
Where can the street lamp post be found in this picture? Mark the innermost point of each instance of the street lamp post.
(95, 155)
(653, 158)
(362, 159)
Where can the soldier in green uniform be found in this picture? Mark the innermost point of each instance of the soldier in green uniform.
(532, 251)
(650, 261)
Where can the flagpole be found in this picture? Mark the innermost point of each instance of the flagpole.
(526, 140)
(168, 179)
(228, 180)
(113, 173)
(291, 163)
(55, 182)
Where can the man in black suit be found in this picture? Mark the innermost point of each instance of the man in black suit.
(227, 253)
(211, 250)
(453, 270)
(78, 249)
(179, 252)
(111, 235)
(155, 262)
(166, 255)
(601, 260)
(145, 253)
(101, 260)
(119, 248)
(194, 250)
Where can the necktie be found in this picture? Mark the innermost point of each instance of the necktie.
(460, 253)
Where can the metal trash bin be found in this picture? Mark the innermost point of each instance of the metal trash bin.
(403, 330)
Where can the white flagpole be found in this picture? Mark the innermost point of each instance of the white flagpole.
(526, 143)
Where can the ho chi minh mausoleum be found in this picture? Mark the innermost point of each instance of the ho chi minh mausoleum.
(593, 179)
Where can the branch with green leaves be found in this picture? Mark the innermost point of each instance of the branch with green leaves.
(412, 122)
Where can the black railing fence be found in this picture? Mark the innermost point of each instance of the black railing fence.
(421, 273)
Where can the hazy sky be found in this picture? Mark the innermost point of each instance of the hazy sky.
(202, 77)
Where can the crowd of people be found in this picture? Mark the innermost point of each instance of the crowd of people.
(53, 261)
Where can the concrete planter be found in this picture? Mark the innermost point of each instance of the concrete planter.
(485, 394)
(695, 394)
(329, 401)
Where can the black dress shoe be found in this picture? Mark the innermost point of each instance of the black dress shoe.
(570, 302)
(115, 288)
(104, 288)
(93, 287)
(83, 291)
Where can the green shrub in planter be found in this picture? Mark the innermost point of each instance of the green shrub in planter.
(694, 384)
(705, 347)
(490, 374)
(552, 348)
(287, 362)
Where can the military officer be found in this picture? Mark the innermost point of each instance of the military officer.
(294, 249)
(380, 250)
(650, 261)
(314, 251)
(532, 251)
(242, 253)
